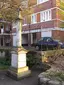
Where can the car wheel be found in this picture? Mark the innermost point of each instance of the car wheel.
(37, 47)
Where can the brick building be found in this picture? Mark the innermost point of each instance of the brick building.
(47, 19)
(5, 35)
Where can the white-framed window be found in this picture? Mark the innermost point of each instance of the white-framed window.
(45, 15)
(33, 18)
(41, 1)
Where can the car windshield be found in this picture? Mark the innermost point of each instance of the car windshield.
(46, 39)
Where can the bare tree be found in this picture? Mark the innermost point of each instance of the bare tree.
(9, 9)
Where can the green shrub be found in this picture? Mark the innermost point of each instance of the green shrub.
(4, 63)
(31, 59)
(55, 75)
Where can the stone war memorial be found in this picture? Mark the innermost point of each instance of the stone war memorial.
(18, 68)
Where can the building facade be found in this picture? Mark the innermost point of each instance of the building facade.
(6, 37)
(5, 33)
(46, 20)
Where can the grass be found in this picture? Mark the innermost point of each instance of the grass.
(3, 67)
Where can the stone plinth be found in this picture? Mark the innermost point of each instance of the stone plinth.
(18, 68)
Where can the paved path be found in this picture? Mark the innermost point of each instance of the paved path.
(33, 80)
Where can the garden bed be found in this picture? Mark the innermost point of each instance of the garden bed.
(4, 64)
(51, 78)
(55, 75)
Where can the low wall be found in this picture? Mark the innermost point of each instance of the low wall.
(45, 54)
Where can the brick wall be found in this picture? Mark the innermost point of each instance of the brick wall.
(49, 24)
(59, 35)
(38, 17)
(38, 35)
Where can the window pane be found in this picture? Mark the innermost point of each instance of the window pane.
(45, 15)
(33, 18)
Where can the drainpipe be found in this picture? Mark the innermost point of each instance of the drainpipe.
(29, 37)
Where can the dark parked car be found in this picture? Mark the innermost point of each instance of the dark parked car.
(62, 46)
(46, 43)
